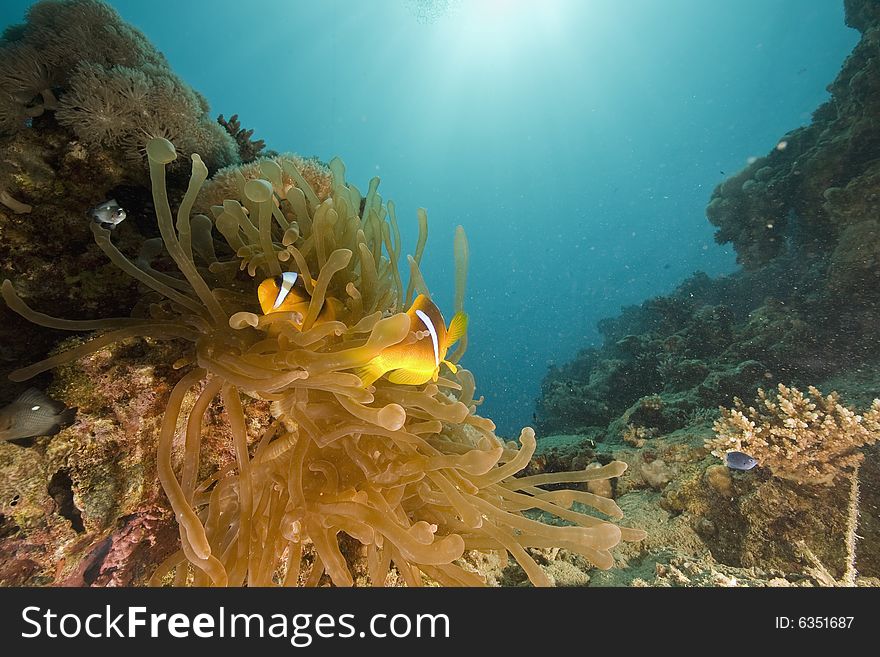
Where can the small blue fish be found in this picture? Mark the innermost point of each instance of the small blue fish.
(739, 461)
(109, 214)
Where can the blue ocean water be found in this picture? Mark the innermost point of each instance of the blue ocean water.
(576, 140)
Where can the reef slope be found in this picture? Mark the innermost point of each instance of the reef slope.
(803, 310)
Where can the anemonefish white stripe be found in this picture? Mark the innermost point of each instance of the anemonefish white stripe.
(433, 332)
(288, 278)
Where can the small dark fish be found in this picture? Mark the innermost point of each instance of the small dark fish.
(109, 214)
(739, 461)
(33, 414)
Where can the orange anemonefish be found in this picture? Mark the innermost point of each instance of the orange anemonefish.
(418, 362)
(287, 293)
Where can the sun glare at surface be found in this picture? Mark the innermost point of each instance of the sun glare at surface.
(499, 29)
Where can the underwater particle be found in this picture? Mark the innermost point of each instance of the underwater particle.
(108, 214)
(33, 414)
(739, 461)
(430, 11)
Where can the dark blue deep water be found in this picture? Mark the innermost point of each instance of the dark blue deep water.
(576, 140)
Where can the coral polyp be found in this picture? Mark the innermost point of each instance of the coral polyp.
(410, 473)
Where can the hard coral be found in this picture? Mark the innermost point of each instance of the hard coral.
(808, 439)
(248, 149)
(411, 473)
(637, 436)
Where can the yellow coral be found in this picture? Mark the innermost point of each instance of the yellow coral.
(809, 439)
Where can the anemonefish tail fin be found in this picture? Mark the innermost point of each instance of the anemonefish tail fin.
(369, 373)
(456, 329)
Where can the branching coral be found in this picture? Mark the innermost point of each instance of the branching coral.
(809, 439)
(411, 473)
(249, 149)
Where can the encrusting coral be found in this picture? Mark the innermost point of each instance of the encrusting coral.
(411, 473)
(810, 439)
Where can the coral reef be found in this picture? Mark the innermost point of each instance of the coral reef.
(94, 484)
(283, 469)
(55, 169)
(50, 249)
(387, 484)
(808, 439)
(410, 472)
(120, 107)
(819, 179)
(104, 81)
(803, 223)
(804, 309)
(662, 363)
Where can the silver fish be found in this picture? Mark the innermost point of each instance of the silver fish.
(109, 214)
(739, 461)
(33, 414)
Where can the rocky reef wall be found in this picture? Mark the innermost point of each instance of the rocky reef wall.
(804, 223)
(803, 310)
(77, 85)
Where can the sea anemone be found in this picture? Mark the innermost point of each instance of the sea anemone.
(411, 473)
